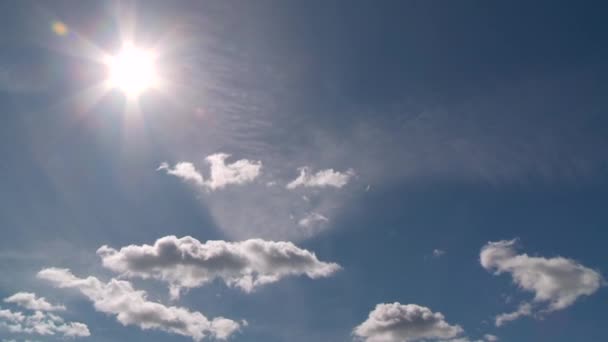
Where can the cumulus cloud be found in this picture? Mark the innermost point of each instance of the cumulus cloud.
(131, 307)
(29, 301)
(555, 282)
(240, 172)
(40, 323)
(221, 173)
(187, 263)
(321, 179)
(405, 323)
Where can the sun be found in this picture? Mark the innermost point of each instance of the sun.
(133, 70)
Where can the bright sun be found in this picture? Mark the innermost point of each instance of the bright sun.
(133, 70)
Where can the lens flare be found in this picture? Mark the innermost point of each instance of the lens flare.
(59, 28)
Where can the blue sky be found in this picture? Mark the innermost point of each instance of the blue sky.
(369, 171)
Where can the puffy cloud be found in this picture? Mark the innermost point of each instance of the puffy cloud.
(221, 174)
(240, 172)
(557, 281)
(29, 301)
(321, 179)
(405, 323)
(41, 323)
(187, 263)
(131, 307)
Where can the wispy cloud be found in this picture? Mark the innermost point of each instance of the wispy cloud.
(312, 220)
(438, 253)
(321, 179)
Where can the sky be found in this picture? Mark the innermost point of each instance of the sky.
(376, 171)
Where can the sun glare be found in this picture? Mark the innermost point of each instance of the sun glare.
(133, 70)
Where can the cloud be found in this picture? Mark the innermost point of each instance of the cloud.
(40, 323)
(486, 338)
(321, 179)
(185, 171)
(188, 263)
(490, 338)
(29, 301)
(557, 282)
(405, 323)
(524, 309)
(312, 220)
(221, 174)
(438, 253)
(131, 307)
(240, 172)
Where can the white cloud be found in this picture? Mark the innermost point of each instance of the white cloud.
(490, 338)
(131, 307)
(29, 301)
(438, 253)
(40, 323)
(321, 179)
(557, 282)
(185, 171)
(524, 309)
(188, 263)
(240, 172)
(312, 219)
(221, 174)
(405, 323)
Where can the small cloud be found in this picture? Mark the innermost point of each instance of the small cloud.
(524, 309)
(490, 338)
(29, 301)
(555, 282)
(40, 323)
(312, 219)
(405, 322)
(321, 179)
(221, 173)
(438, 253)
